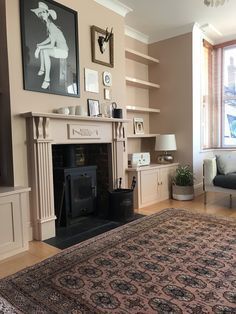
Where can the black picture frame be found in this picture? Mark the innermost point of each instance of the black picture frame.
(61, 73)
(93, 107)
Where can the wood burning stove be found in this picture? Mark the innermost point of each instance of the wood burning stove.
(75, 193)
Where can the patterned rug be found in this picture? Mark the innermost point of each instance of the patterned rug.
(174, 262)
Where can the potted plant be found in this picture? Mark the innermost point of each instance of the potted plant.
(182, 184)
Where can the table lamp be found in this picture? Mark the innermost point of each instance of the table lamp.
(165, 143)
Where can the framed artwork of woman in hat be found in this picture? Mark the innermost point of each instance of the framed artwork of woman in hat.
(50, 47)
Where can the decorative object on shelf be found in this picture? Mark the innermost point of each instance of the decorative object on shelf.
(107, 94)
(138, 126)
(72, 110)
(63, 110)
(165, 143)
(106, 110)
(80, 111)
(182, 184)
(138, 159)
(93, 107)
(99, 39)
(107, 78)
(91, 81)
(40, 73)
(214, 3)
(116, 112)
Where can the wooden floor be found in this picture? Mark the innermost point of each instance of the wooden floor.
(218, 205)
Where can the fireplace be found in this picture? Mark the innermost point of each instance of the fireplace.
(81, 169)
(46, 131)
(75, 193)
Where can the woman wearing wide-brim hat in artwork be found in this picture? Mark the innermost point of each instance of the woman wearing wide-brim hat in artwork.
(53, 46)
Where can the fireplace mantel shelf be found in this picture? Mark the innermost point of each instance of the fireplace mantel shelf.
(71, 117)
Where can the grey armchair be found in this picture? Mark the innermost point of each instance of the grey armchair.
(215, 182)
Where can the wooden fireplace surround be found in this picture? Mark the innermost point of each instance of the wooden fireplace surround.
(46, 129)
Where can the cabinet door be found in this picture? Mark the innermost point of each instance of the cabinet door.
(164, 184)
(10, 224)
(149, 187)
(165, 175)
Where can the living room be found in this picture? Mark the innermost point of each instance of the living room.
(39, 120)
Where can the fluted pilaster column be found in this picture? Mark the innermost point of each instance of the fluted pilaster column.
(119, 152)
(41, 178)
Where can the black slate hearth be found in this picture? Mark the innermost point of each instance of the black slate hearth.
(86, 228)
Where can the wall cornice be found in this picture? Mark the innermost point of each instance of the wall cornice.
(115, 6)
(131, 32)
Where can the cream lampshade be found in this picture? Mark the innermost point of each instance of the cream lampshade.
(165, 143)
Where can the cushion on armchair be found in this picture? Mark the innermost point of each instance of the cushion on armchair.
(226, 163)
(227, 181)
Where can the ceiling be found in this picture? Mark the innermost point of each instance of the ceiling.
(160, 19)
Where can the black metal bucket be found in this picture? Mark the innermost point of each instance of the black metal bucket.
(121, 204)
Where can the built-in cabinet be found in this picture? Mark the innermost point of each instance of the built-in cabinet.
(13, 229)
(153, 183)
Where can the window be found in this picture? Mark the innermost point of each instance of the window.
(219, 95)
(229, 97)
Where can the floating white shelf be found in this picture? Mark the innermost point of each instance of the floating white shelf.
(140, 83)
(139, 57)
(141, 135)
(142, 109)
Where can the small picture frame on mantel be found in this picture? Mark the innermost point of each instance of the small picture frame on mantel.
(93, 107)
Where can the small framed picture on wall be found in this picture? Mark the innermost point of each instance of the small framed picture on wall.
(102, 44)
(91, 81)
(138, 126)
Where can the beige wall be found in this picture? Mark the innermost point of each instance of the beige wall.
(136, 45)
(90, 13)
(174, 98)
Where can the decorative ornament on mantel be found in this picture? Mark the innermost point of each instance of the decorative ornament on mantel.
(214, 3)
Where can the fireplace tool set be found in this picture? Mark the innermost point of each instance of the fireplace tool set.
(133, 183)
(121, 205)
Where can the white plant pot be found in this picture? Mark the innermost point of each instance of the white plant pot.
(182, 193)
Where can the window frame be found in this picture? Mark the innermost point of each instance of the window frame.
(219, 119)
(223, 98)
